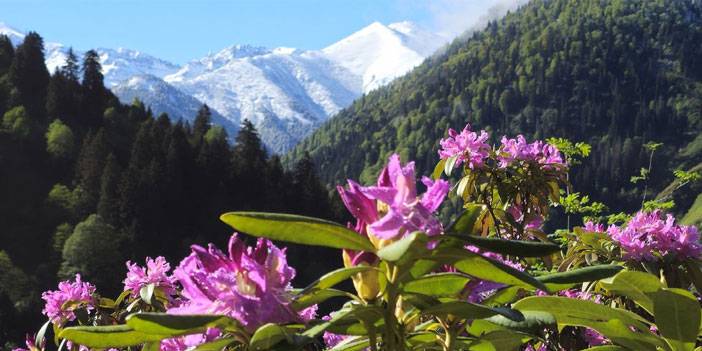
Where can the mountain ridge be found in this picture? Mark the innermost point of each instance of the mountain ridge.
(285, 92)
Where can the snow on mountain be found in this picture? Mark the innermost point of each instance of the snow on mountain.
(15, 35)
(379, 53)
(285, 92)
(168, 99)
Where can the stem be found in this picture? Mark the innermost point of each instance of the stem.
(648, 175)
(393, 338)
(450, 338)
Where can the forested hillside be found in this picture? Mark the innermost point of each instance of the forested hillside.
(615, 74)
(87, 183)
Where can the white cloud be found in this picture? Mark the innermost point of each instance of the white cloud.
(454, 17)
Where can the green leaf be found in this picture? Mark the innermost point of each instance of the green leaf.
(436, 174)
(352, 344)
(404, 248)
(487, 269)
(606, 348)
(216, 345)
(440, 284)
(151, 346)
(532, 321)
(564, 280)
(171, 324)
(677, 315)
(449, 164)
(268, 336)
(503, 296)
(108, 336)
(468, 221)
(297, 229)
(613, 323)
(500, 340)
(635, 285)
(315, 297)
(521, 248)
(467, 310)
(147, 292)
(335, 277)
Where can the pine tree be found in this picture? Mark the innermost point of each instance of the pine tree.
(90, 164)
(249, 163)
(201, 124)
(108, 204)
(29, 75)
(71, 68)
(94, 92)
(7, 52)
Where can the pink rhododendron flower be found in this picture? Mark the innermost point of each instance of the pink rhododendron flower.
(31, 344)
(467, 146)
(531, 221)
(648, 233)
(189, 342)
(155, 272)
(519, 150)
(78, 292)
(590, 226)
(402, 210)
(249, 284)
(331, 339)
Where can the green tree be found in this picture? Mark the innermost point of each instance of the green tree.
(17, 122)
(60, 142)
(29, 75)
(94, 93)
(108, 204)
(7, 52)
(95, 250)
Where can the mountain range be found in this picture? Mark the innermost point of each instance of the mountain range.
(287, 93)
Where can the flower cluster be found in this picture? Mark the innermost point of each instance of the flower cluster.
(61, 304)
(189, 342)
(392, 208)
(249, 284)
(591, 226)
(649, 234)
(155, 272)
(518, 149)
(467, 146)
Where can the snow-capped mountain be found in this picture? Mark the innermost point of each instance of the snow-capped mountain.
(177, 104)
(285, 92)
(378, 53)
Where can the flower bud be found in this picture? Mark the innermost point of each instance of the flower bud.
(366, 283)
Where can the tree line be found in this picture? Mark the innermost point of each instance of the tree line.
(81, 172)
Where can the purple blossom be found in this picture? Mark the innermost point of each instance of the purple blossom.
(250, 284)
(188, 342)
(403, 211)
(529, 221)
(648, 234)
(590, 226)
(79, 293)
(518, 149)
(331, 339)
(31, 344)
(155, 272)
(466, 146)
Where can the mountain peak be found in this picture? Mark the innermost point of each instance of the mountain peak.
(15, 35)
(380, 53)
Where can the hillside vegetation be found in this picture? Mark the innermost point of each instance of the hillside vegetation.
(615, 74)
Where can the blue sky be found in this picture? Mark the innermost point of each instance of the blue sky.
(181, 30)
